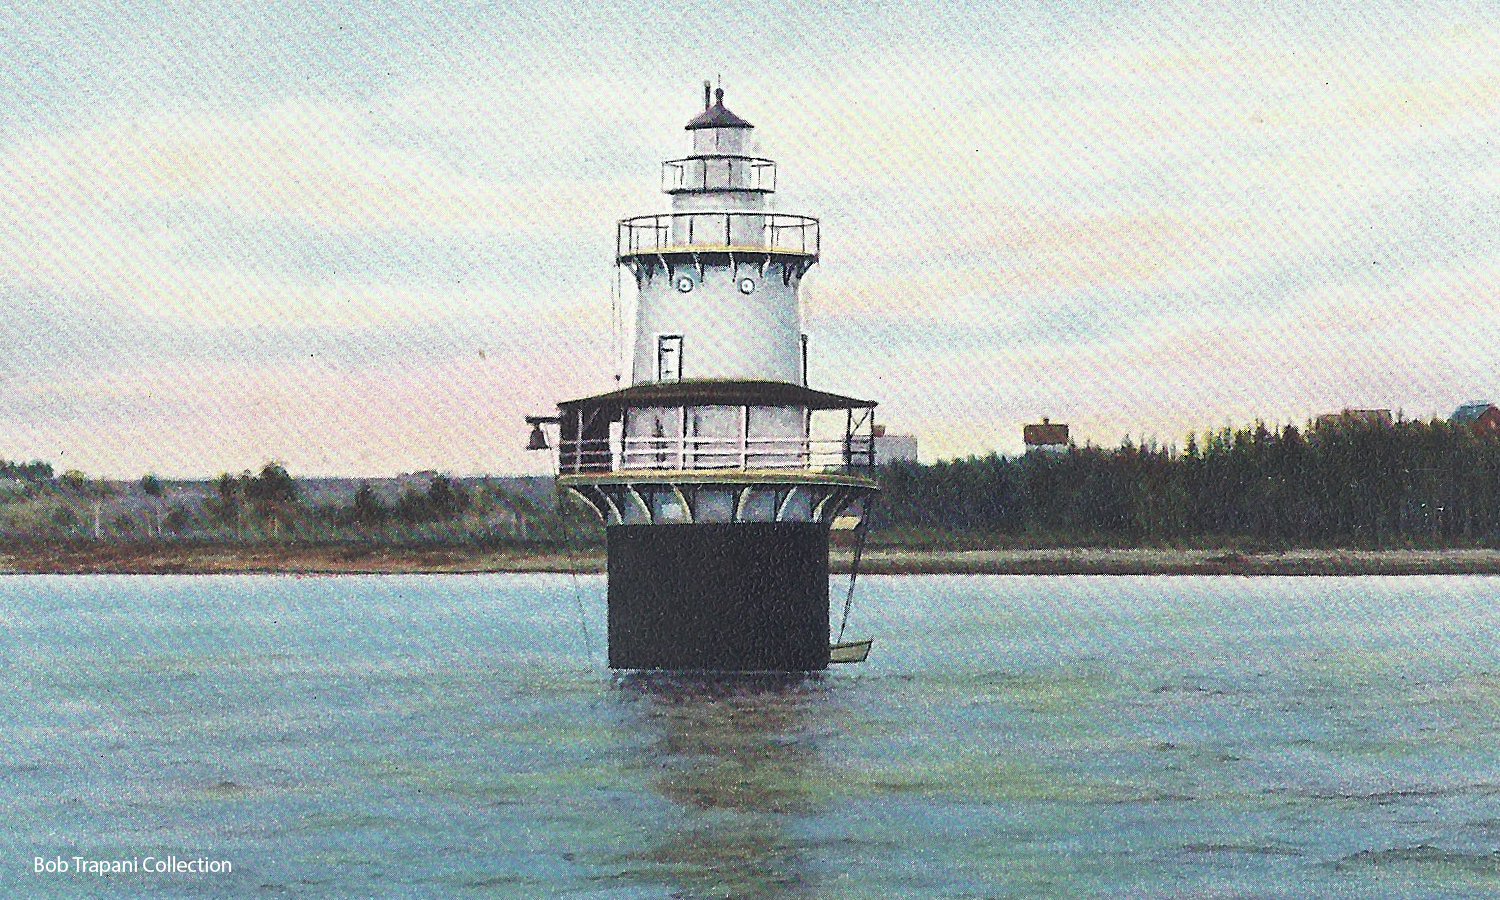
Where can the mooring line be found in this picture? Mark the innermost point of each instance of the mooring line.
(859, 546)
(583, 622)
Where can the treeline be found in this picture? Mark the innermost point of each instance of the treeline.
(36, 470)
(1346, 482)
(271, 506)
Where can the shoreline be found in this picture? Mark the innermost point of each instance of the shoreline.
(1159, 561)
(149, 559)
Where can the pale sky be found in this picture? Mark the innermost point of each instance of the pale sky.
(364, 239)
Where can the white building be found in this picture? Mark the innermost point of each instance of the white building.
(892, 448)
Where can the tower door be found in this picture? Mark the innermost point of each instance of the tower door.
(669, 357)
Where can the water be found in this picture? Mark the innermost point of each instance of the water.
(458, 736)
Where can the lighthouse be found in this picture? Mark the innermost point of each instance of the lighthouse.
(718, 472)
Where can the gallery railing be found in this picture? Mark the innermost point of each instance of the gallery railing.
(709, 231)
(697, 174)
(855, 454)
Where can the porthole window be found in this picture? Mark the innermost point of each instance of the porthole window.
(747, 285)
(684, 283)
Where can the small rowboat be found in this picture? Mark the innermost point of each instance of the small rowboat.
(850, 651)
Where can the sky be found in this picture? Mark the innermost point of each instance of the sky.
(363, 239)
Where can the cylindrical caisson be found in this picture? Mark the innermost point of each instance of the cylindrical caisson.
(746, 596)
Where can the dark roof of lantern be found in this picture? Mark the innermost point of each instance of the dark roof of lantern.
(717, 393)
(717, 116)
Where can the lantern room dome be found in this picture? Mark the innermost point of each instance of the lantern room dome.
(717, 116)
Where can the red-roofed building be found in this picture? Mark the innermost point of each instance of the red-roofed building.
(1047, 437)
(1480, 416)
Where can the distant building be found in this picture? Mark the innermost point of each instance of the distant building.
(1357, 417)
(1479, 416)
(890, 448)
(1046, 437)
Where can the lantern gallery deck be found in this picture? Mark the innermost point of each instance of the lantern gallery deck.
(713, 425)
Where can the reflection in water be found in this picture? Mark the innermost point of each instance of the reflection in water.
(736, 756)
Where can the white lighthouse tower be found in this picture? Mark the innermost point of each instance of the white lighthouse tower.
(718, 472)
(734, 315)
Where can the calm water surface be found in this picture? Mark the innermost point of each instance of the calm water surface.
(459, 736)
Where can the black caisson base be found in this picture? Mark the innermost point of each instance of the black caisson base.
(721, 597)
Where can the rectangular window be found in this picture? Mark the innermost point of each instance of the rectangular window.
(669, 357)
(653, 437)
(714, 436)
(777, 437)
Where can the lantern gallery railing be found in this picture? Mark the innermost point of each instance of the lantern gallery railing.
(695, 232)
(699, 174)
(853, 454)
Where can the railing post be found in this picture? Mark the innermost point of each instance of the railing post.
(849, 439)
(578, 447)
(744, 438)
